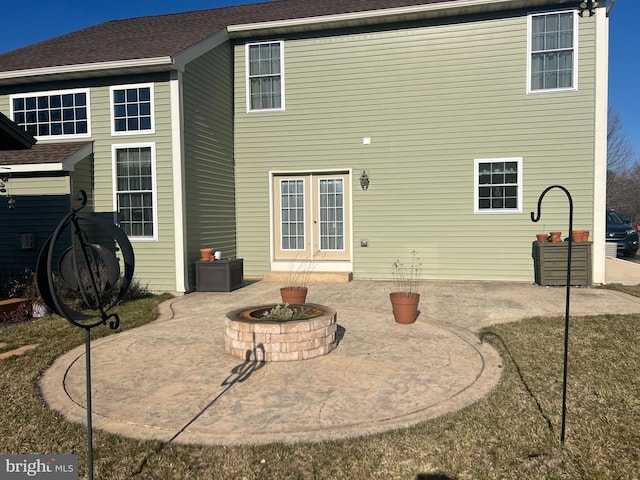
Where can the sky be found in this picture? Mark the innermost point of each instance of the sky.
(24, 23)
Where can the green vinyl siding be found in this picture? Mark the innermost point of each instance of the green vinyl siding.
(155, 260)
(208, 161)
(432, 98)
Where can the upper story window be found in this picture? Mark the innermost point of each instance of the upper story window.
(132, 109)
(498, 185)
(63, 113)
(135, 191)
(552, 52)
(265, 76)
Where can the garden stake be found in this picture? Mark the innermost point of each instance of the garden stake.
(566, 314)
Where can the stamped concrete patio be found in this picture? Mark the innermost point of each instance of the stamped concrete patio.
(172, 380)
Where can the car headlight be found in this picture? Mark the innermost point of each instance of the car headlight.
(629, 232)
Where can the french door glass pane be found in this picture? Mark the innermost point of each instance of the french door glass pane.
(331, 205)
(292, 222)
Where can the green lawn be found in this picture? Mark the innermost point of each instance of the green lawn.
(513, 433)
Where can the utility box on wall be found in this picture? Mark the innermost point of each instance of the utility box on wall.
(219, 275)
(550, 263)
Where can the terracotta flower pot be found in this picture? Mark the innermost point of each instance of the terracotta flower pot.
(577, 236)
(542, 237)
(556, 237)
(405, 306)
(206, 254)
(293, 294)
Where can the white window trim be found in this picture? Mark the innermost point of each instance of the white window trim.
(153, 109)
(575, 54)
(248, 83)
(476, 186)
(86, 91)
(154, 193)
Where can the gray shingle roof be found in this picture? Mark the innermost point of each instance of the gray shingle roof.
(42, 153)
(168, 35)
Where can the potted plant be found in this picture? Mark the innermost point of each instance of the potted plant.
(295, 290)
(298, 278)
(404, 294)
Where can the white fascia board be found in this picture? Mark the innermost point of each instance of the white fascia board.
(88, 67)
(199, 49)
(36, 167)
(460, 6)
(67, 165)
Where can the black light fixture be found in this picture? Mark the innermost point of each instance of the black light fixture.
(588, 5)
(364, 180)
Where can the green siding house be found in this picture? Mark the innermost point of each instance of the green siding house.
(350, 133)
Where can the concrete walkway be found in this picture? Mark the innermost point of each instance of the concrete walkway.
(172, 380)
(622, 271)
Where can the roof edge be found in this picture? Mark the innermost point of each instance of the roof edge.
(198, 49)
(77, 69)
(346, 19)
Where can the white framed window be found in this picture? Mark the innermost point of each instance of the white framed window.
(53, 114)
(134, 186)
(132, 109)
(552, 57)
(498, 185)
(265, 76)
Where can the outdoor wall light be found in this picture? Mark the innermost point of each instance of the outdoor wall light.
(589, 5)
(364, 180)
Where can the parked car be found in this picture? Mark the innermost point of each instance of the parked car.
(620, 232)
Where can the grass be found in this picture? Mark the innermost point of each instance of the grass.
(512, 433)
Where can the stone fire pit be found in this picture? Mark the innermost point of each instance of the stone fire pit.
(249, 336)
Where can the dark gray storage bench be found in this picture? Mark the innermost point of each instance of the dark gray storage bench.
(550, 263)
(219, 275)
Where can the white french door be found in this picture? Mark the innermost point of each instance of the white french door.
(311, 217)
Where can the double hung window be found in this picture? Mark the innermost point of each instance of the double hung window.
(135, 193)
(265, 76)
(63, 113)
(552, 52)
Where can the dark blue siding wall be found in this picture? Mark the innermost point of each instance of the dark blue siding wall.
(35, 214)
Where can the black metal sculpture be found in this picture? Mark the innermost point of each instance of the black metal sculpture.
(87, 274)
(536, 218)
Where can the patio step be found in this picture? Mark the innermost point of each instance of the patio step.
(329, 277)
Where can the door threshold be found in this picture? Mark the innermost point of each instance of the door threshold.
(329, 277)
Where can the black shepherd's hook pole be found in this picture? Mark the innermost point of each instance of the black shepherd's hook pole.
(536, 218)
(87, 350)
